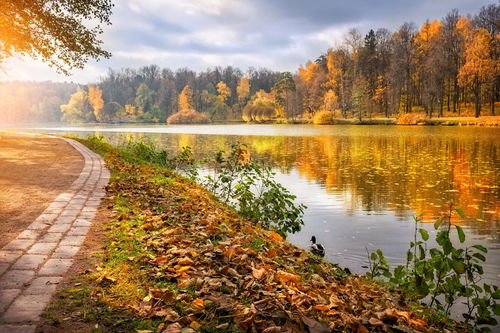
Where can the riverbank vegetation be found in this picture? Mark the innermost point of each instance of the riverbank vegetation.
(176, 258)
(445, 68)
(445, 275)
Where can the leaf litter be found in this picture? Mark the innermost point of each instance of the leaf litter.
(211, 270)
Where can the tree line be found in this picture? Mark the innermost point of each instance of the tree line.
(446, 67)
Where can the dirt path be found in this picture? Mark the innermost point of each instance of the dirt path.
(34, 170)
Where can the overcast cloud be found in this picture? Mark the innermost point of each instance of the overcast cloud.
(278, 34)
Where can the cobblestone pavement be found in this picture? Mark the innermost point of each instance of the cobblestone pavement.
(32, 264)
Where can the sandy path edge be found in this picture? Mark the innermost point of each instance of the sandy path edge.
(34, 170)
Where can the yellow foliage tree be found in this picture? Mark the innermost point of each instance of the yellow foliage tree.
(96, 101)
(243, 89)
(479, 67)
(224, 91)
(130, 110)
(429, 32)
(330, 101)
(186, 99)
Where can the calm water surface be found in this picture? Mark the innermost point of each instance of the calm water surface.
(362, 184)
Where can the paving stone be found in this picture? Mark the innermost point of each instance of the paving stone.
(58, 204)
(29, 261)
(42, 285)
(29, 234)
(82, 222)
(87, 215)
(69, 212)
(73, 240)
(89, 209)
(42, 248)
(77, 202)
(78, 231)
(3, 267)
(46, 217)
(55, 267)
(60, 227)
(66, 251)
(39, 225)
(50, 237)
(9, 256)
(19, 244)
(6, 328)
(26, 308)
(66, 219)
(64, 196)
(74, 207)
(15, 279)
(6, 297)
(50, 210)
(93, 203)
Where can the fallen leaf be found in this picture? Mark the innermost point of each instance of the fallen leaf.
(198, 304)
(321, 307)
(375, 322)
(258, 273)
(159, 260)
(315, 326)
(275, 236)
(285, 277)
(186, 261)
(173, 328)
(195, 325)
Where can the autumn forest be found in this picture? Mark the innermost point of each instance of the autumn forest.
(446, 67)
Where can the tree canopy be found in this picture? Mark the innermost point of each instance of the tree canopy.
(63, 33)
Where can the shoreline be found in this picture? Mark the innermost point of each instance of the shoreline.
(174, 257)
(483, 121)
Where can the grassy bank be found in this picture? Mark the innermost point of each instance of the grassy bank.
(174, 258)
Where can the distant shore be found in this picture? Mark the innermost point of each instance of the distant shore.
(483, 121)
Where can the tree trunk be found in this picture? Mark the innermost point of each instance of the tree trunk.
(441, 106)
(477, 93)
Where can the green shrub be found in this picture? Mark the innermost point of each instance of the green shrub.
(443, 275)
(250, 188)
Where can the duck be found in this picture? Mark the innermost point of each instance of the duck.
(317, 248)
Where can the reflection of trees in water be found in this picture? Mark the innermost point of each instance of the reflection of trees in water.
(379, 173)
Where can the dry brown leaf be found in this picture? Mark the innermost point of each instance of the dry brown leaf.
(315, 326)
(186, 261)
(272, 252)
(195, 325)
(198, 304)
(275, 236)
(258, 273)
(285, 277)
(376, 322)
(173, 328)
(159, 260)
(321, 307)
(229, 253)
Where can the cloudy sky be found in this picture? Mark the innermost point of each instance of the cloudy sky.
(278, 34)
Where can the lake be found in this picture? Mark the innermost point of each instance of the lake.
(362, 184)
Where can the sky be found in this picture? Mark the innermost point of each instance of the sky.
(277, 34)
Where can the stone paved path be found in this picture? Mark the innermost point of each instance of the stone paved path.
(32, 264)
